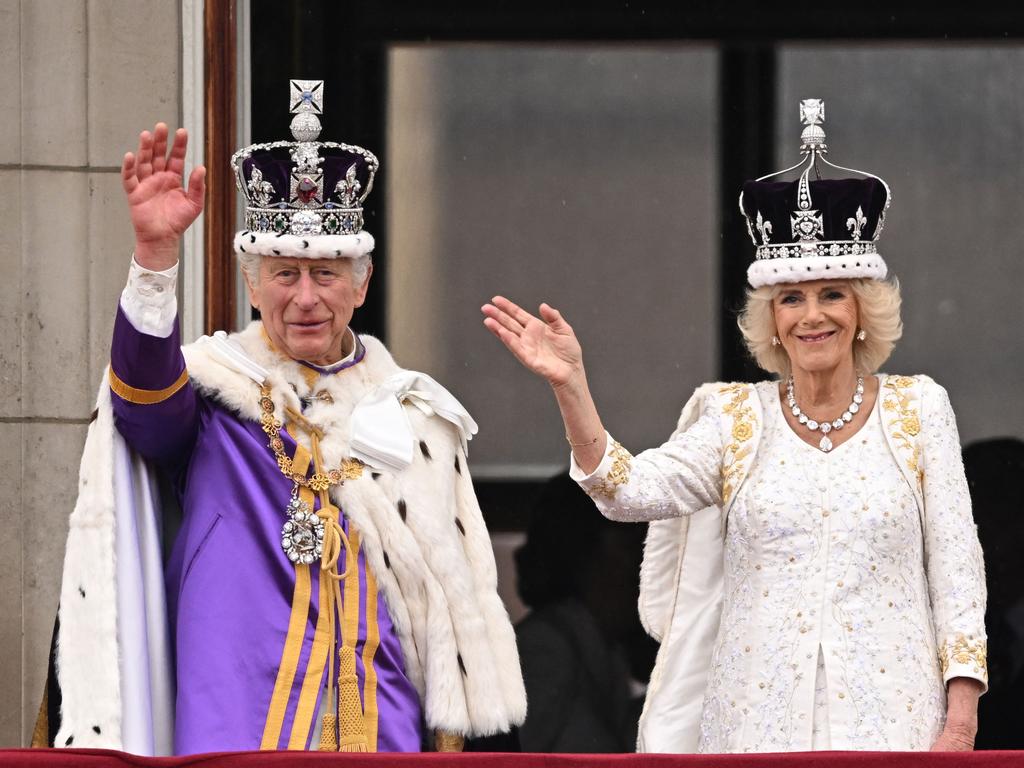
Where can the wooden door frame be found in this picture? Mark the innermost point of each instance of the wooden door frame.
(220, 46)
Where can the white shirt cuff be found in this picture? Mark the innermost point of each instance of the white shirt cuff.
(149, 300)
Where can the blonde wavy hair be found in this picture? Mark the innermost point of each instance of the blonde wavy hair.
(878, 311)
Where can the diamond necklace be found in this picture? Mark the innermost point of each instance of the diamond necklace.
(825, 444)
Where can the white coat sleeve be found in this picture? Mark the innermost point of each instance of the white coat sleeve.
(953, 558)
(680, 477)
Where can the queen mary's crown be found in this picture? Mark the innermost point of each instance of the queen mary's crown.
(814, 228)
(304, 197)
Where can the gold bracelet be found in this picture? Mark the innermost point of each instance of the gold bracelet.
(579, 445)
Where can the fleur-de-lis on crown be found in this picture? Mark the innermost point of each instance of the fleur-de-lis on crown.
(348, 188)
(856, 224)
(260, 191)
(764, 227)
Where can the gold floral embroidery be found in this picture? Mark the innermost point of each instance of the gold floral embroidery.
(965, 650)
(742, 431)
(622, 464)
(906, 424)
(743, 423)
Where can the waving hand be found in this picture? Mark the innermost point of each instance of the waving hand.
(546, 345)
(161, 208)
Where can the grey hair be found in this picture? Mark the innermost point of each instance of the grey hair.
(250, 264)
(878, 311)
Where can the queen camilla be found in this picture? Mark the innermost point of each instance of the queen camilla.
(812, 568)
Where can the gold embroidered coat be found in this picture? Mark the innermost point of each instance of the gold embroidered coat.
(867, 556)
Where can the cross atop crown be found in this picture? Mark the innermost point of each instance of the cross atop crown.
(306, 98)
(812, 114)
(812, 111)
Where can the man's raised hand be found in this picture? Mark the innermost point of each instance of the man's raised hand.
(161, 207)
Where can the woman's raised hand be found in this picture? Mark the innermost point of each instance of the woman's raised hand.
(545, 345)
(161, 207)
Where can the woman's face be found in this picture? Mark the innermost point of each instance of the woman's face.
(816, 323)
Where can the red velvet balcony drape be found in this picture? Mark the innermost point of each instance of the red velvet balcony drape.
(85, 758)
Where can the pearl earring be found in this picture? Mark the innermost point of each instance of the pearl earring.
(776, 342)
(862, 335)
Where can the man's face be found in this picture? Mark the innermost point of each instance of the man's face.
(307, 304)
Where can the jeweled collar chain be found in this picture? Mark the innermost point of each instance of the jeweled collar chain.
(303, 534)
(825, 444)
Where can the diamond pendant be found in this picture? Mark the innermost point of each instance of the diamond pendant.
(302, 537)
(825, 444)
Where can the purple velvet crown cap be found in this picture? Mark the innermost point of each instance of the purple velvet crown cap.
(837, 200)
(276, 166)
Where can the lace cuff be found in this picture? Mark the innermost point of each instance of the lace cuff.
(149, 300)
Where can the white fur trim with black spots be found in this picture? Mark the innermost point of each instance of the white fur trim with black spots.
(304, 246)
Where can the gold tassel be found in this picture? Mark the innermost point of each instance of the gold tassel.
(329, 734)
(352, 726)
(445, 741)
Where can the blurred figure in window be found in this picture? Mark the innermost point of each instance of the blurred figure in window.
(582, 648)
(991, 467)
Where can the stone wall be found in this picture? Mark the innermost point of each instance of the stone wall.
(80, 79)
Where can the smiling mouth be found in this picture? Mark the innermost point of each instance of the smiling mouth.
(815, 338)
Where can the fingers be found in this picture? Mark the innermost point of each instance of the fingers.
(501, 317)
(152, 158)
(506, 337)
(513, 310)
(176, 162)
(128, 179)
(553, 317)
(144, 159)
(196, 191)
(159, 147)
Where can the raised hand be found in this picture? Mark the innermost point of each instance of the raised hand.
(161, 208)
(545, 345)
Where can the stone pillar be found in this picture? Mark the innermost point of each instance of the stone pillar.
(81, 79)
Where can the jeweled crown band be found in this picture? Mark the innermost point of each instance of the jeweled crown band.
(329, 220)
(808, 250)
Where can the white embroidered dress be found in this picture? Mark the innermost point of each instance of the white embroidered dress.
(838, 591)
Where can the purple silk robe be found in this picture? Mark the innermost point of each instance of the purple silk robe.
(229, 584)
